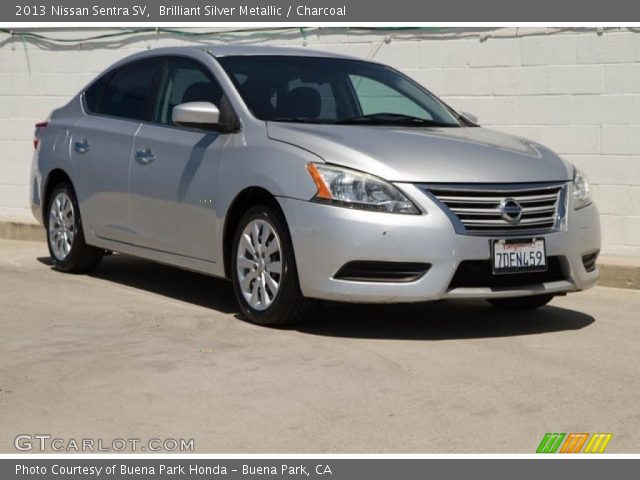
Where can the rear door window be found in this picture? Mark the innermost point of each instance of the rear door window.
(130, 90)
(93, 95)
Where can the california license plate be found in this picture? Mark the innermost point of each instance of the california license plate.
(519, 255)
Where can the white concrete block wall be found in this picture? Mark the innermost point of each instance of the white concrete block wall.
(576, 90)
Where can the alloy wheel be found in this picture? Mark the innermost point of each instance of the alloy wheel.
(259, 264)
(62, 226)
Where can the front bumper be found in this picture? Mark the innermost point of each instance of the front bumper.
(325, 238)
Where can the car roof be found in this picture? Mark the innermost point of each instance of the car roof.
(218, 50)
(233, 50)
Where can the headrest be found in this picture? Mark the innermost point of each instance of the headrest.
(301, 102)
(202, 92)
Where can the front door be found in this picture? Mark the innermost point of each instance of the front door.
(174, 170)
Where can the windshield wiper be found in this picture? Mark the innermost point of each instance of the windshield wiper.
(371, 119)
(393, 119)
(294, 119)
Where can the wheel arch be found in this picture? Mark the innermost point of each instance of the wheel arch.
(54, 177)
(244, 200)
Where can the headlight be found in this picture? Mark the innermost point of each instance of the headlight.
(581, 190)
(352, 189)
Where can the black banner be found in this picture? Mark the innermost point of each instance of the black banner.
(318, 469)
(313, 11)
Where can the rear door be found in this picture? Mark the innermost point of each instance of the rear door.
(175, 169)
(102, 143)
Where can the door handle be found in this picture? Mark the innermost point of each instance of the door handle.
(81, 146)
(145, 156)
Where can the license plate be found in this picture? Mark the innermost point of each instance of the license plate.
(519, 255)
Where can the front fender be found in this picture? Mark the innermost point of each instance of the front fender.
(279, 168)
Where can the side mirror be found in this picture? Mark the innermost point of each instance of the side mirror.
(196, 114)
(469, 117)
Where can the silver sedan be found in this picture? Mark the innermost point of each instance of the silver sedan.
(304, 175)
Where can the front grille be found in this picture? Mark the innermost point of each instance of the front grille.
(477, 273)
(478, 207)
(374, 271)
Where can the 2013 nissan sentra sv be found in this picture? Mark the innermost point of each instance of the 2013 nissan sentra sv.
(304, 175)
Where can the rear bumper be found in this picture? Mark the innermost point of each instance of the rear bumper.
(325, 238)
(35, 190)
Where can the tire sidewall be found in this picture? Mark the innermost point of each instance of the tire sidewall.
(289, 288)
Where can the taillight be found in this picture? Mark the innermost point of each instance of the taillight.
(39, 127)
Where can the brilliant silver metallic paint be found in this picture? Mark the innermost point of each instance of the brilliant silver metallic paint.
(195, 112)
(173, 208)
(430, 155)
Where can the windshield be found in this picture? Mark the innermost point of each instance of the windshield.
(331, 91)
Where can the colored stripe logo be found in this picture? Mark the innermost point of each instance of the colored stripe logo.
(573, 442)
(598, 443)
(550, 442)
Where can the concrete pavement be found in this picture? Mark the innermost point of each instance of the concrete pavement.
(140, 350)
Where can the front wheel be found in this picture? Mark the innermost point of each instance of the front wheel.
(264, 274)
(521, 303)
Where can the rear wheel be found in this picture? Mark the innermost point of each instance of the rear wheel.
(521, 303)
(264, 274)
(65, 236)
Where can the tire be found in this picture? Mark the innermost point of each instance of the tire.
(65, 236)
(521, 303)
(263, 270)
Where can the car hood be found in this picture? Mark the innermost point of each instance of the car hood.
(450, 155)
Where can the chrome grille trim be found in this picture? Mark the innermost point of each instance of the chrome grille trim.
(475, 209)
